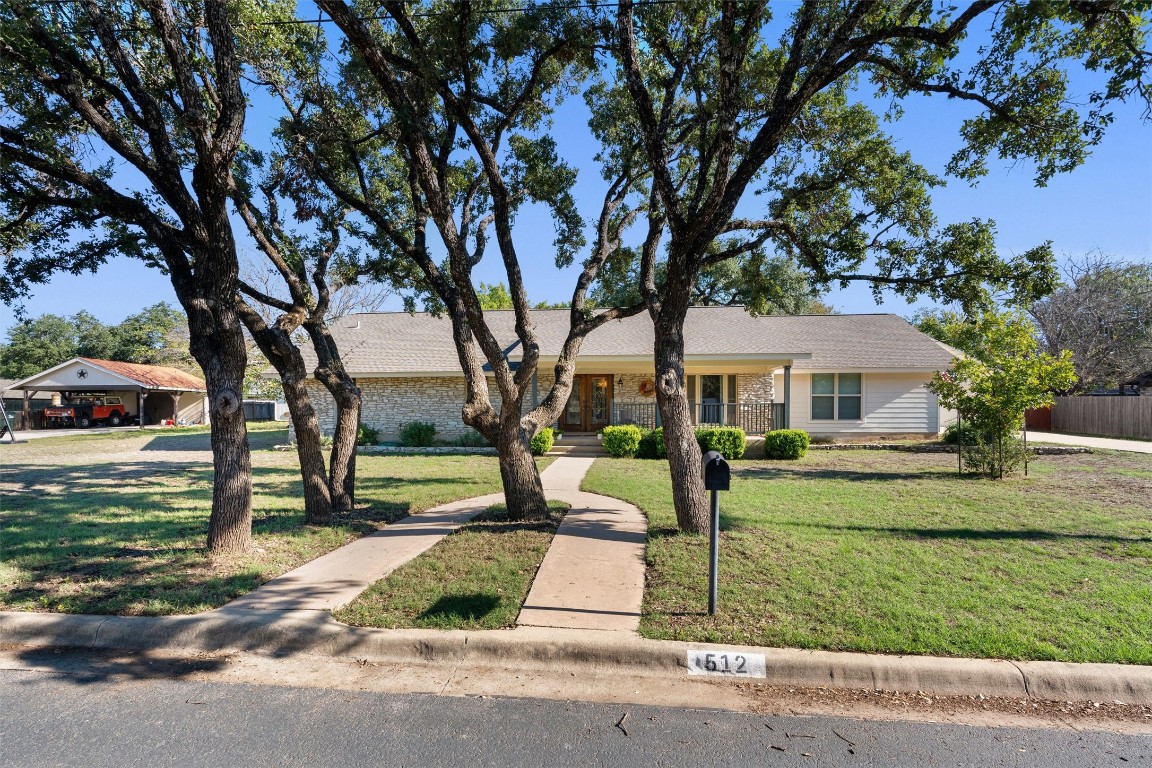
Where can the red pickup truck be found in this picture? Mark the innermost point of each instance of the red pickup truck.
(85, 410)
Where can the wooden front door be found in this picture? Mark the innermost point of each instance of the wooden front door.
(589, 408)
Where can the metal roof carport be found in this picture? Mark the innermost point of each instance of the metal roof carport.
(84, 374)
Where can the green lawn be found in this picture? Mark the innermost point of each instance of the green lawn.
(90, 524)
(477, 578)
(893, 553)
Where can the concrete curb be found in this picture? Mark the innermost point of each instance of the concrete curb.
(316, 633)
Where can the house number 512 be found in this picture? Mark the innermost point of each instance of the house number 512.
(724, 663)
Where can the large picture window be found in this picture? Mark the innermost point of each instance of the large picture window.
(837, 396)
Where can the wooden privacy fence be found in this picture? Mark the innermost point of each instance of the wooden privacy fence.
(1108, 416)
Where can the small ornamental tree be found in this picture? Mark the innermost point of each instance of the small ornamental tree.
(1003, 374)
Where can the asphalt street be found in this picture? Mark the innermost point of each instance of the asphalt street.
(64, 719)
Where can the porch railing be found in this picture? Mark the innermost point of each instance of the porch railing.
(753, 418)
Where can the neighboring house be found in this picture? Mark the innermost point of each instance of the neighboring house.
(832, 375)
(158, 392)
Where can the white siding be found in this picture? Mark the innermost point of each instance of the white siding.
(893, 403)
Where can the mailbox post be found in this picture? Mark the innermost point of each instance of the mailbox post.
(717, 477)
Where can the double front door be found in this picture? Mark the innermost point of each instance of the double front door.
(589, 407)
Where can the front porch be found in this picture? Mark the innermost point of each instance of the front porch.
(753, 418)
(746, 399)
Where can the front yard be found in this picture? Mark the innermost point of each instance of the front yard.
(475, 578)
(893, 553)
(115, 524)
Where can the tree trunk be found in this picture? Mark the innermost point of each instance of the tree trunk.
(523, 491)
(217, 343)
(331, 373)
(275, 342)
(684, 458)
(309, 448)
(342, 472)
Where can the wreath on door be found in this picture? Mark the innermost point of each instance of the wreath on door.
(647, 387)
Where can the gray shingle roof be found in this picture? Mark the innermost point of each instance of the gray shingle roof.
(393, 343)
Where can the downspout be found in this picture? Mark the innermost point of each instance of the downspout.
(787, 396)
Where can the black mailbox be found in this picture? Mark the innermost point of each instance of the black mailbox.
(717, 475)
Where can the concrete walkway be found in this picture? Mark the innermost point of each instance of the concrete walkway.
(593, 574)
(1110, 443)
(335, 579)
(591, 578)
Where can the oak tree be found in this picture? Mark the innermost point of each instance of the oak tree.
(1102, 312)
(438, 117)
(119, 126)
(718, 102)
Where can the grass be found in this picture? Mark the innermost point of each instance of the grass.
(476, 578)
(116, 524)
(893, 553)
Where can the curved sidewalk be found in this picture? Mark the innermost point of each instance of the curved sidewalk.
(591, 578)
(335, 579)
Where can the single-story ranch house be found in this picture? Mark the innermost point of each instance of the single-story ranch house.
(832, 375)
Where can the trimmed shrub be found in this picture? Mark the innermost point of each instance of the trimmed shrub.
(652, 445)
(419, 434)
(729, 441)
(786, 443)
(367, 435)
(622, 441)
(542, 442)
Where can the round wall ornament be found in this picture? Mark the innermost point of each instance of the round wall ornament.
(82, 373)
(647, 387)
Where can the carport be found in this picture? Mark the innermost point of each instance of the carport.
(156, 392)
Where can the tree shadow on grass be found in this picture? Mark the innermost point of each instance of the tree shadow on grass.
(455, 609)
(128, 537)
(976, 534)
(202, 441)
(848, 475)
(121, 538)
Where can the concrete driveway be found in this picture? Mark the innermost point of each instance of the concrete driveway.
(36, 434)
(1111, 443)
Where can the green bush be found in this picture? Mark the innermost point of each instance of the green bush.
(542, 442)
(418, 434)
(992, 456)
(652, 445)
(729, 441)
(622, 440)
(367, 435)
(953, 432)
(786, 443)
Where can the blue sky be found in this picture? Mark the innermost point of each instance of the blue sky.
(1106, 204)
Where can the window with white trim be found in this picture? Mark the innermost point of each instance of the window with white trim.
(837, 396)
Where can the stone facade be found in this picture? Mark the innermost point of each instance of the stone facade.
(390, 403)
(755, 388)
(629, 391)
